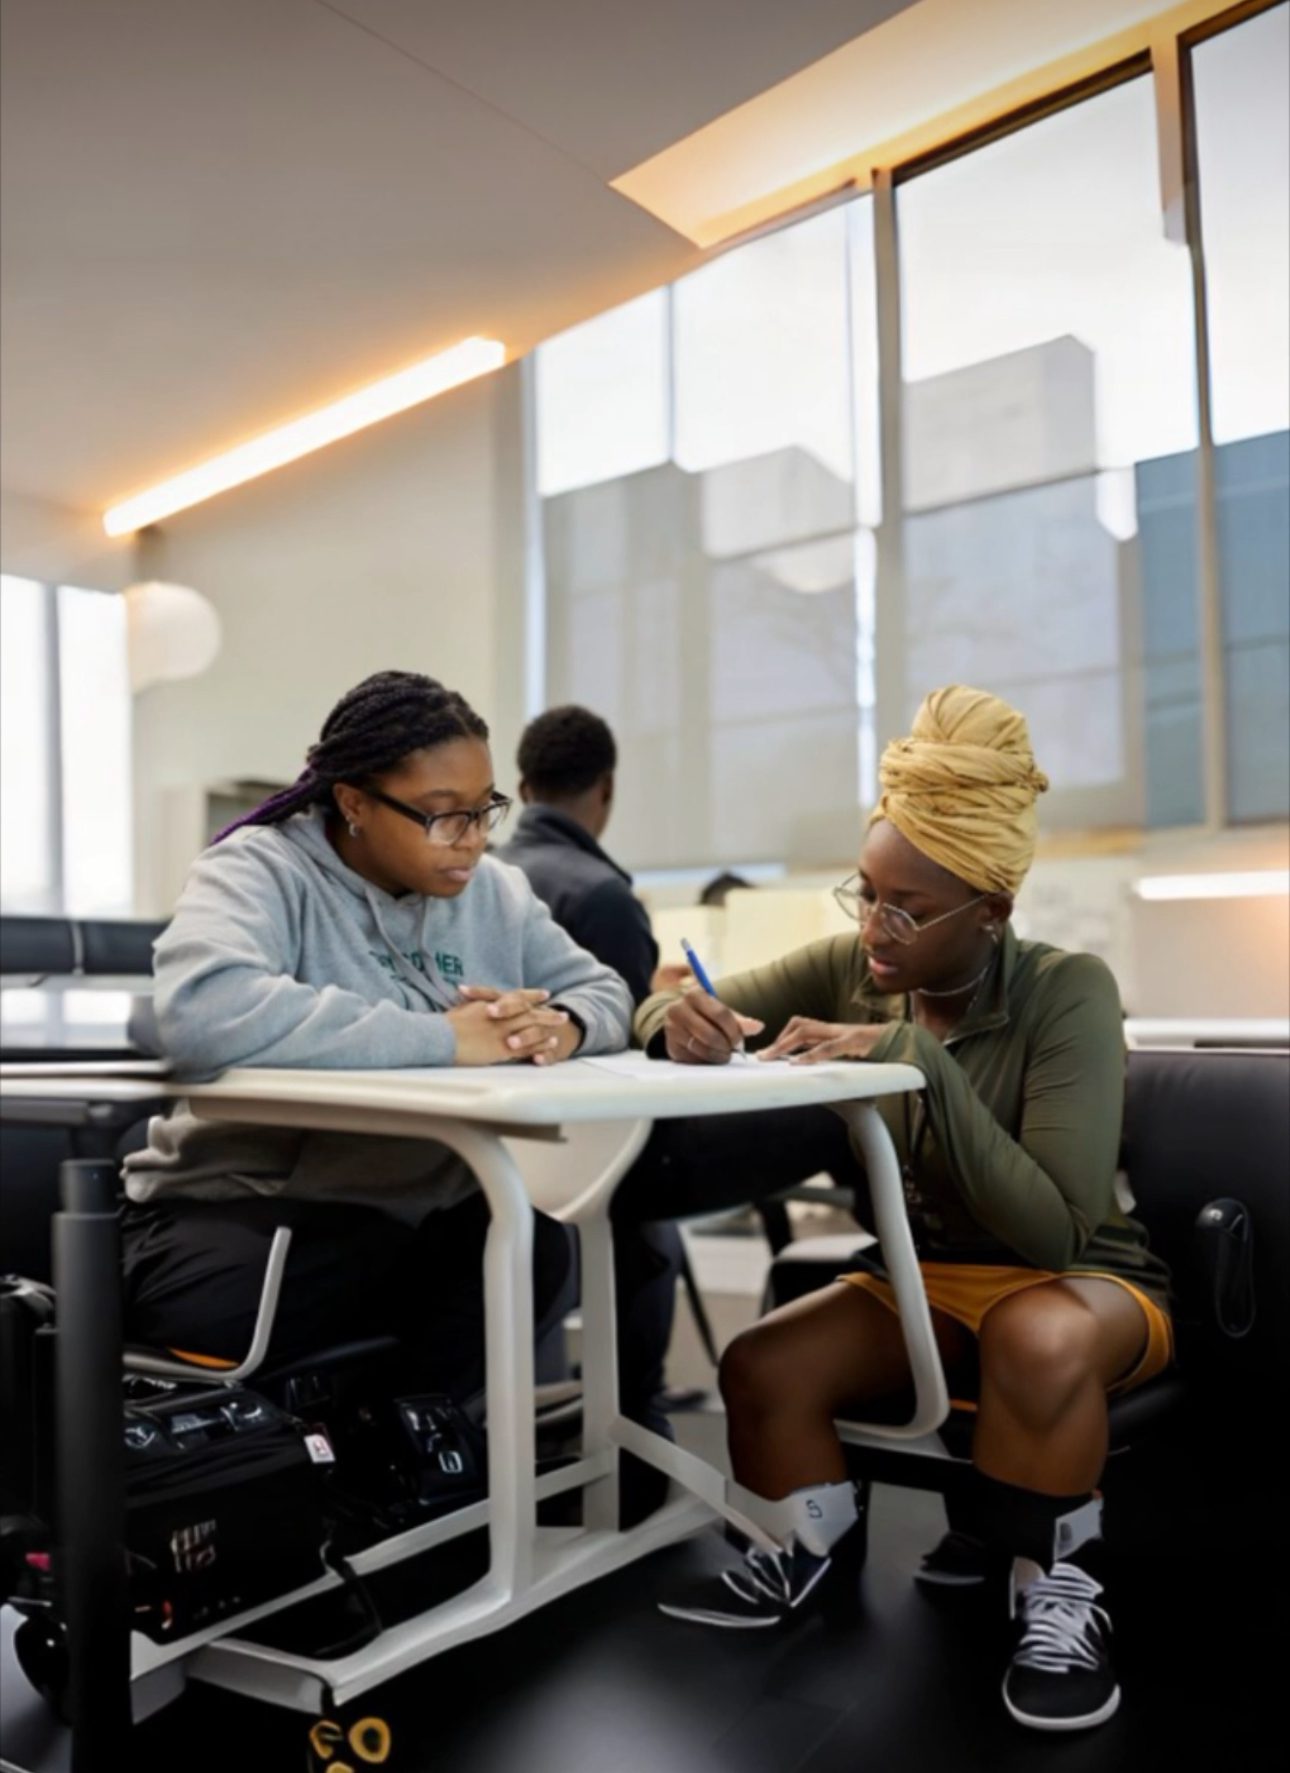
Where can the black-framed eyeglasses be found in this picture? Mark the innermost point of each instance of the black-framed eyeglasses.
(893, 922)
(447, 828)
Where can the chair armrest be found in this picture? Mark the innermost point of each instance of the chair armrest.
(142, 1360)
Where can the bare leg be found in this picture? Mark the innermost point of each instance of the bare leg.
(786, 1379)
(1047, 1358)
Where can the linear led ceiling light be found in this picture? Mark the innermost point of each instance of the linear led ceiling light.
(380, 400)
(1259, 884)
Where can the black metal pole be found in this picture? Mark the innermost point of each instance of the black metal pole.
(89, 1462)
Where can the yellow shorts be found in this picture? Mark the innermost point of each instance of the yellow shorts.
(968, 1292)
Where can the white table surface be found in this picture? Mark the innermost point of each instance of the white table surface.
(513, 1095)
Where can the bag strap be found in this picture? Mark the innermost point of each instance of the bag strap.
(1225, 1235)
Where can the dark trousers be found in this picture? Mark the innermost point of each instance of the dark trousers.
(194, 1269)
(706, 1164)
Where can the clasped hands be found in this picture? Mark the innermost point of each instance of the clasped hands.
(496, 1027)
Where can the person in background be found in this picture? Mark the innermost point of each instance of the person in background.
(720, 887)
(566, 761)
(1045, 1296)
(352, 921)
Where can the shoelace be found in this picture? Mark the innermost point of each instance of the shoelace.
(763, 1575)
(1064, 1629)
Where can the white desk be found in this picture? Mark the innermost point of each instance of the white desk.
(506, 1123)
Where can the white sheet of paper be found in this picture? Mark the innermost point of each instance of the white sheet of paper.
(639, 1065)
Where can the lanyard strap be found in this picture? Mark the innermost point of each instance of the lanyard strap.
(916, 1122)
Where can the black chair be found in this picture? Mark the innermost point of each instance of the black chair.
(61, 945)
(118, 945)
(1206, 1153)
(39, 945)
(31, 1157)
(774, 1215)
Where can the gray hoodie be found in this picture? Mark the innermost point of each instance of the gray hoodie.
(280, 955)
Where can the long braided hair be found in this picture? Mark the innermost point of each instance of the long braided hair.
(370, 729)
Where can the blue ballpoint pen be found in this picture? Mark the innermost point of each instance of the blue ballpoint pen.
(696, 967)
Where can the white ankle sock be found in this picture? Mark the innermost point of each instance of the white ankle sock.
(1070, 1531)
(816, 1517)
(1077, 1528)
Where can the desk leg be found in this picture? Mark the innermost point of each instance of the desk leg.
(508, 1332)
(931, 1398)
(931, 1395)
(90, 1559)
(605, 1426)
(599, 1361)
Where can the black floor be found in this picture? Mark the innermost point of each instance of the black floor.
(602, 1683)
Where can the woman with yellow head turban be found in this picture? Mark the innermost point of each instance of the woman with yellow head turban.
(1044, 1295)
(962, 788)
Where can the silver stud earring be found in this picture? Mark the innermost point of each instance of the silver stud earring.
(994, 933)
(353, 831)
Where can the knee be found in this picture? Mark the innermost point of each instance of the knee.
(755, 1374)
(1038, 1352)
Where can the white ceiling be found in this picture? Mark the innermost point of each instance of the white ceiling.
(817, 130)
(220, 213)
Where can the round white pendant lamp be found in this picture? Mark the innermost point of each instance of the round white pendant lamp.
(172, 632)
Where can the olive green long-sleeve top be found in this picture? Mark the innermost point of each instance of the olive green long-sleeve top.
(1016, 1139)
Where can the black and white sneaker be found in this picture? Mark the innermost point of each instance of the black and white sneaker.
(1061, 1676)
(959, 1561)
(768, 1588)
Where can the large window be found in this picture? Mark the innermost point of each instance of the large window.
(1241, 82)
(760, 335)
(729, 582)
(604, 401)
(1048, 360)
(716, 604)
(65, 837)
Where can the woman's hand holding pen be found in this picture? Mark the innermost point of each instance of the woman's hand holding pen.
(494, 1027)
(701, 1030)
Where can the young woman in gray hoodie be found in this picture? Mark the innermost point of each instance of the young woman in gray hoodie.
(352, 921)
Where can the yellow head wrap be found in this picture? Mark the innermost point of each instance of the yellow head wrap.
(962, 788)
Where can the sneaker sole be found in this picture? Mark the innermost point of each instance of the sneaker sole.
(719, 1621)
(1088, 1722)
(934, 1579)
(733, 1622)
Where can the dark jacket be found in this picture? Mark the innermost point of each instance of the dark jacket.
(589, 895)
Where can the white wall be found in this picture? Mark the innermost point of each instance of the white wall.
(398, 548)
(1187, 957)
(60, 545)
